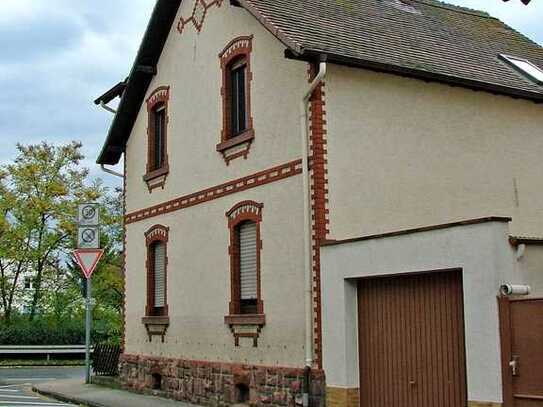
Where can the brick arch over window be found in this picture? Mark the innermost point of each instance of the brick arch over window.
(244, 213)
(157, 235)
(233, 143)
(158, 117)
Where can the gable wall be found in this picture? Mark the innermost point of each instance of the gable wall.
(198, 260)
(190, 66)
(405, 153)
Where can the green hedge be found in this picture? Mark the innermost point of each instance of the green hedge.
(44, 332)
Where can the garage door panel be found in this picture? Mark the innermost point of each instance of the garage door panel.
(412, 341)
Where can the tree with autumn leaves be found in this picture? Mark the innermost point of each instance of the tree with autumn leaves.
(39, 194)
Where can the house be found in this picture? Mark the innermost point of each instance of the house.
(380, 287)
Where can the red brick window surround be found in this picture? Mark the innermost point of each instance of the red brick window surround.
(237, 128)
(157, 138)
(156, 240)
(244, 221)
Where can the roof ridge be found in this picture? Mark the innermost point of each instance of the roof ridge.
(511, 28)
(455, 8)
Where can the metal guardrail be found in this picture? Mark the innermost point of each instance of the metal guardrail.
(47, 350)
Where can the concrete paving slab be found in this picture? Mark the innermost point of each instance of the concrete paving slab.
(75, 391)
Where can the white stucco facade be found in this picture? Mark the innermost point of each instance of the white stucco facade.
(401, 153)
(481, 251)
(190, 65)
(404, 153)
(198, 274)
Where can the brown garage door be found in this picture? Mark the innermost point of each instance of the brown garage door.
(411, 338)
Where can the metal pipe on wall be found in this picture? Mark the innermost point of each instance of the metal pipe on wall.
(308, 258)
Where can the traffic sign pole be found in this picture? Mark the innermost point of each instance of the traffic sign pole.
(88, 260)
(87, 256)
(88, 324)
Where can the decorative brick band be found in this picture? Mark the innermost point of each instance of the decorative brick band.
(319, 200)
(218, 384)
(123, 266)
(260, 178)
(199, 12)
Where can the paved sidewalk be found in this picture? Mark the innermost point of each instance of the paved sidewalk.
(75, 391)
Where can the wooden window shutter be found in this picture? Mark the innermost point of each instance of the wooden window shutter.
(159, 274)
(248, 261)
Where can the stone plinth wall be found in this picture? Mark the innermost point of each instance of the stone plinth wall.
(219, 384)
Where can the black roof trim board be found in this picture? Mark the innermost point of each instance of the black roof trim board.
(309, 55)
(112, 93)
(280, 19)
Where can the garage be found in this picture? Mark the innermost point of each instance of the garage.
(411, 340)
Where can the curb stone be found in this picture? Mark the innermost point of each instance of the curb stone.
(66, 399)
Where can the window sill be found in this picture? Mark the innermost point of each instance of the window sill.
(156, 326)
(245, 319)
(156, 178)
(244, 137)
(156, 173)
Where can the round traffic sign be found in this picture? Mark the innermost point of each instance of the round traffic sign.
(88, 212)
(88, 235)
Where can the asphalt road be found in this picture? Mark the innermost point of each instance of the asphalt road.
(15, 385)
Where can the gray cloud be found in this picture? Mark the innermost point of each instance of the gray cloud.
(57, 56)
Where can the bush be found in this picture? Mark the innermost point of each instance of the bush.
(42, 331)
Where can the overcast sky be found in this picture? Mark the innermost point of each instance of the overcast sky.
(56, 56)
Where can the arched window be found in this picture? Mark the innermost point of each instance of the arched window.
(157, 263)
(245, 245)
(157, 256)
(246, 264)
(157, 138)
(237, 97)
(158, 121)
(237, 131)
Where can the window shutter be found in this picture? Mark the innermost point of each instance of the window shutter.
(247, 261)
(160, 274)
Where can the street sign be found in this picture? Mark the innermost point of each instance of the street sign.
(87, 255)
(88, 237)
(88, 232)
(88, 259)
(88, 214)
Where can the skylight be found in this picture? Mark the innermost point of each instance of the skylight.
(404, 5)
(530, 70)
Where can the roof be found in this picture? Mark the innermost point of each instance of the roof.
(418, 37)
(424, 39)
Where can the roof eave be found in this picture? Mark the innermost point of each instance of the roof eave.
(311, 55)
(111, 94)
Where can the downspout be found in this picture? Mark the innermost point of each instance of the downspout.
(308, 257)
(107, 170)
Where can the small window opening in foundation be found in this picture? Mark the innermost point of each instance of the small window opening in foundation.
(157, 381)
(243, 393)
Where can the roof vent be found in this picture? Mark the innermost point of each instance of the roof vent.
(403, 5)
(525, 67)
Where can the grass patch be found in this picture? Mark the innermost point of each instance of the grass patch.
(41, 362)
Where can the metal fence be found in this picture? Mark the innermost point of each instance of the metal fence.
(105, 360)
